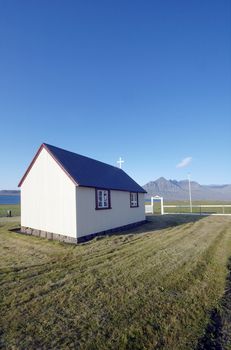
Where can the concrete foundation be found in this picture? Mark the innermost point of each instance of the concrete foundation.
(108, 232)
(67, 239)
(48, 235)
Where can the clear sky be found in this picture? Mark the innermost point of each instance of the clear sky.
(147, 80)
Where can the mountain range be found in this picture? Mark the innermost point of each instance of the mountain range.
(172, 190)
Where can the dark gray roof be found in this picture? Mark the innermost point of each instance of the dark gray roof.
(89, 172)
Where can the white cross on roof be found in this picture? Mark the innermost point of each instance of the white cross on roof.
(120, 161)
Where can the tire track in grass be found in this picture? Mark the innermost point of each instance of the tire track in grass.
(141, 295)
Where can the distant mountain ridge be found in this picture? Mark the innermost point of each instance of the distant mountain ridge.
(178, 190)
(9, 192)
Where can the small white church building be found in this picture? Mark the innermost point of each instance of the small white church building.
(73, 198)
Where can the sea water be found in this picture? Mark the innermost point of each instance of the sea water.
(10, 199)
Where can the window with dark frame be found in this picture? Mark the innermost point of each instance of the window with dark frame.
(102, 198)
(134, 200)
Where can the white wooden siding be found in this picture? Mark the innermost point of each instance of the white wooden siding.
(48, 200)
(90, 220)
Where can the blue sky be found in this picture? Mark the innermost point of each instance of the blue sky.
(146, 80)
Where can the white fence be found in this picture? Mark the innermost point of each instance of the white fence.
(148, 209)
(199, 209)
(221, 209)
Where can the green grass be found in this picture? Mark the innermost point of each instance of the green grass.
(151, 288)
(197, 210)
(15, 209)
(216, 210)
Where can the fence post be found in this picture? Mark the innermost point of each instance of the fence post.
(152, 204)
(161, 206)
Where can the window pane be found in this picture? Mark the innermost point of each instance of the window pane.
(102, 198)
(134, 199)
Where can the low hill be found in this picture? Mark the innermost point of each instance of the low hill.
(179, 190)
(9, 193)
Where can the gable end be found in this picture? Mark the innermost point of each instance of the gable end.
(43, 146)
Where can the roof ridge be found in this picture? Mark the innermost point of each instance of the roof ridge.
(88, 172)
(80, 155)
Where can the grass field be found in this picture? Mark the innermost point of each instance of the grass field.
(15, 209)
(161, 286)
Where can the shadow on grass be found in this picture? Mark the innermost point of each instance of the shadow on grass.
(153, 223)
(218, 331)
(161, 222)
(212, 339)
(171, 220)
